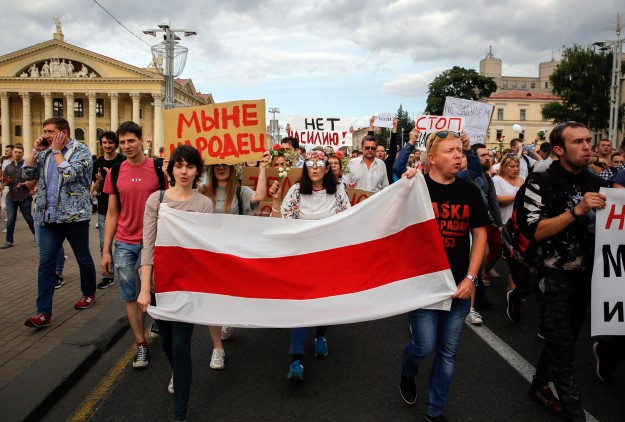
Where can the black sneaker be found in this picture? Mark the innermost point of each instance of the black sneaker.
(141, 359)
(513, 309)
(106, 283)
(59, 281)
(154, 333)
(439, 418)
(408, 390)
(544, 395)
(605, 368)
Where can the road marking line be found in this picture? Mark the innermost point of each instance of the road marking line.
(511, 356)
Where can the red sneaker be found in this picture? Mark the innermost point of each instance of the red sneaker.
(39, 321)
(545, 396)
(85, 302)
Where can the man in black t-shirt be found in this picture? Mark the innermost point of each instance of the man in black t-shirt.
(101, 167)
(462, 219)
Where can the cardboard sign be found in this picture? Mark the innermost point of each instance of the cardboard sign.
(429, 124)
(250, 178)
(312, 131)
(229, 133)
(476, 117)
(356, 196)
(607, 306)
(383, 120)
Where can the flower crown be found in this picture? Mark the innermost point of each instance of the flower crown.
(316, 155)
(278, 151)
(343, 160)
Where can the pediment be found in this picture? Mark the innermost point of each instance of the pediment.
(58, 59)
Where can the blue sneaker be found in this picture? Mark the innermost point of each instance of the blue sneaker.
(296, 371)
(321, 347)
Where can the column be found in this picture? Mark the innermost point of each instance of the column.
(158, 122)
(6, 121)
(114, 111)
(27, 122)
(93, 141)
(47, 99)
(69, 107)
(136, 101)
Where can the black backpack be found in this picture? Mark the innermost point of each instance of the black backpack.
(158, 168)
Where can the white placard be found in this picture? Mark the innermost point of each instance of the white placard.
(383, 120)
(312, 131)
(607, 308)
(476, 116)
(428, 124)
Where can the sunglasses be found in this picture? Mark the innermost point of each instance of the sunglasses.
(445, 133)
(312, 163)
(369, 148)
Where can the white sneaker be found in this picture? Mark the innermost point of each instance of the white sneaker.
(170, 386)
(474, 317)
(217, 360)
(226, 332)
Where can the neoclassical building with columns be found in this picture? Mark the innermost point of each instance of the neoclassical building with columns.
(93, 92)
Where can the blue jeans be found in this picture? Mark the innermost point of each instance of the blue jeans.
(126, 258)
(298, 339)
(51, 237)
(441, 330)
(60, 258)
(24, 207)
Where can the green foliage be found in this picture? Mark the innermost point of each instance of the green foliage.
(460, 83)
(383, 136)
(403, 121)
(582, 80)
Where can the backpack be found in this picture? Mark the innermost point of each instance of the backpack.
(158, 168)
(530, 169)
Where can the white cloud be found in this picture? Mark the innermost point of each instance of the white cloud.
(412, 85)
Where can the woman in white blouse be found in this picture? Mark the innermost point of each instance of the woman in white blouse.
(315, 197)
(507, 183)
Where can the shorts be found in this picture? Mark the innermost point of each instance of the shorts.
(126, 257)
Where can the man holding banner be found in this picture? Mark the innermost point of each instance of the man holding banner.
(462, 219)
(367, 173)
(559, 211)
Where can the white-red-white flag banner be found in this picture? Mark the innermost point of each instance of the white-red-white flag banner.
(382, 257)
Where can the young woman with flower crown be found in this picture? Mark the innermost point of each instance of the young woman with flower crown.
(315, 197)
(228, 197)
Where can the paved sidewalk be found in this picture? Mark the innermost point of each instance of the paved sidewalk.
(23, 348)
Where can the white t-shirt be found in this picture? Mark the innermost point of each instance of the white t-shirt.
(317, 206)
(504, 188)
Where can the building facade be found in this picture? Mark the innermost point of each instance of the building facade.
(93, 92)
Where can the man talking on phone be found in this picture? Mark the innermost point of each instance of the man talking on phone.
(63, 168)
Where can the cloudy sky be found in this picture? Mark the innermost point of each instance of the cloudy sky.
(342, 57)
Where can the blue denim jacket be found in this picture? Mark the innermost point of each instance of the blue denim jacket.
(73, 202)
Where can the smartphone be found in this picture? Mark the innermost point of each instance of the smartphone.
(529, 147)
(44, 142)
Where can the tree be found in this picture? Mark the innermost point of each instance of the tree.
(403, 121)
(582, 80)
(460, 83)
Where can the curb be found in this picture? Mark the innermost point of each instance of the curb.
(32, 393)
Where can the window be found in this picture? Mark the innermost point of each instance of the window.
(523, 85)
(522, 135)
(79, 134)
(523, 114)
(99, 107)
(141, 113)
(533, 85)
(546, 85)
(505, 84)
(57, 107)
(499, 134)
(18, 130)
(500, 114)
(79, 108)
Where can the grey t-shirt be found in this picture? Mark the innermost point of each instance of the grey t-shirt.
(246, 199)
(542, 165)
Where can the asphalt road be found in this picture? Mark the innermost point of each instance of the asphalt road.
(357, 381)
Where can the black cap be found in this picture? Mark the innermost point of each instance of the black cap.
(545, 147)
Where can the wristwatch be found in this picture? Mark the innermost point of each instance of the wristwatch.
(572, 211)
(56, 151)
(472, 278)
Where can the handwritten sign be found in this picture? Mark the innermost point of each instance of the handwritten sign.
(476, 116)
(383, 120)
(607, 306)
(356, 196)
(250, 178)
(229, 133)
(429, 124)
(312, 131)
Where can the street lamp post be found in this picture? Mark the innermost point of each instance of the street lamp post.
(274, 124)
(169, 45)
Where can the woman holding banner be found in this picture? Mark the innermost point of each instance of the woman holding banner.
(315, 197)
(184, 169)
(228, 197)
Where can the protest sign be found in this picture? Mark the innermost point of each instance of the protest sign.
(428, 124)
(230, 133)
(476, 117)
(607, 313)
(383, 120)
(312, 131)
(356, 195)
(250, 178)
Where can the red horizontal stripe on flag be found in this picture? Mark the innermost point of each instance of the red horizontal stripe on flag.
(416, 250)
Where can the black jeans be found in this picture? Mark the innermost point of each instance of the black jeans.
(566, 298)
(176, 341)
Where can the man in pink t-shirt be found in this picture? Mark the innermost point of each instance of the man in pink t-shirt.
(129, 186)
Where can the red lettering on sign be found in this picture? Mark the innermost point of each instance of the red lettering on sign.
(614, 216)
(229, 148)
(183, 122)
(441, 123)
(201, 144)
(234, 116)
(214, 146)
(250, 115)
(242, 144)
(210, 122)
